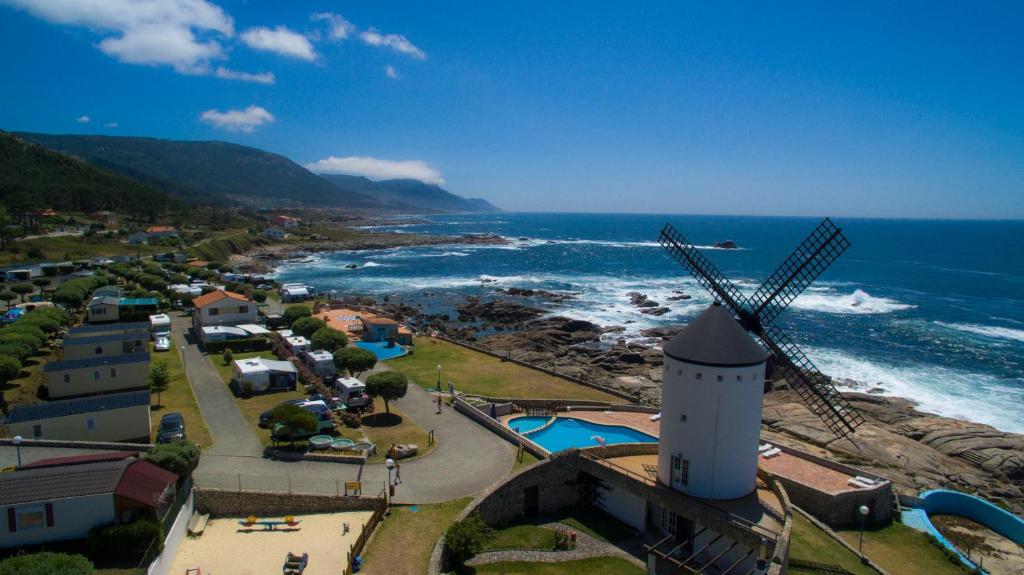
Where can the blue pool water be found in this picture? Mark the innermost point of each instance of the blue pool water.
(568, 432)
(381, 349)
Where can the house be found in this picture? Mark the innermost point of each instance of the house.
(264, 374)
(296, 292)
(379, 329)
(222, 308)
(285, 221)
(107, 328)
(297, 344)
(96, 375)
(321, 362)
(105, 217)
(275, 233)
(138, 238)
(107, 345)
(157, 232)
(104, 308)
(61, 499)
(113, 417)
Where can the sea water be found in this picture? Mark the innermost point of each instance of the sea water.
(932, 311)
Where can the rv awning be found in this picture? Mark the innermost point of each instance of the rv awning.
(253, 329)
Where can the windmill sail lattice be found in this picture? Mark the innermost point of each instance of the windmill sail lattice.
(822, 247)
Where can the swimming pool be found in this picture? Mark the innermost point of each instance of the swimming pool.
(381, 349)
(568, 432)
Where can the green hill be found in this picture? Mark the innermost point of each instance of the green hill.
(210, 172)
(413, 193)
(33, 177)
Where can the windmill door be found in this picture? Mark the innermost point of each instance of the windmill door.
(531, 500)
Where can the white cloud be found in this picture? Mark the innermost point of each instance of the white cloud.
(391, 72)
(111, 124)
(82, 119)
(260, 78)
(396, 42)
(279, 40)
(183, 34)
(339, 27)
(378, 169)
(245, 120)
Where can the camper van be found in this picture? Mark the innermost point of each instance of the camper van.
(321, 362)
(324, 418)
(160, 324)
(352, 392)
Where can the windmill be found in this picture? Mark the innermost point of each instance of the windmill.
(756, 314)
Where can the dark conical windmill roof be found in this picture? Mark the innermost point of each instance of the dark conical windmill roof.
(716, 339)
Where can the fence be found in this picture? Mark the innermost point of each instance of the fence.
(278, 483)
(357, 548)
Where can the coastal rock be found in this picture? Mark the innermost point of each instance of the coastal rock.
(679, 297)
(726, 245)
(527, 292)
(663, 332)
(497, 312)
(656, 311)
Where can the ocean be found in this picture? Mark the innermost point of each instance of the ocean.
(931, 311)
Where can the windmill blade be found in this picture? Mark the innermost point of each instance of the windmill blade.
(701, 267)
(812, 257)
(815, 388)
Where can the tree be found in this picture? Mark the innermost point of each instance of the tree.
(354, 359)
(228, 356)
(466, 538)
(259, 296)
(289, 421)
(8, 296)
(159, 379)
(42, 284)
(329, 338)
(388, 385)
(46, 563)
(10, 367)
(294, 312)
(307, 326)
(178, 457)
(23, 290)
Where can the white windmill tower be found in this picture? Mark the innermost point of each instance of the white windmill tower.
(711, 396)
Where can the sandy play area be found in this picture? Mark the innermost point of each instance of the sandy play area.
(227, 548)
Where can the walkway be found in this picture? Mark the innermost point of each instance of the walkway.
(586, 546)
(467, 460)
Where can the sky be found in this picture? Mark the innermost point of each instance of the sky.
(867, 109)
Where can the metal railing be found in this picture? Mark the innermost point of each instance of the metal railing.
(243, 483)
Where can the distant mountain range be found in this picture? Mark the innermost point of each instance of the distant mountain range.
(219, 172)
(33, 177)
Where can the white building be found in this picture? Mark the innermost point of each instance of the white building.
(297, 344)
(275, 233)
(97, 375)
(296, 292)
(264, 374)
(105, 345)
(111, 417)
(711, 408)
(321, 362)
(222, 308)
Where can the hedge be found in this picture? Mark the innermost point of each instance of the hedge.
(237, 345)
(126, 540)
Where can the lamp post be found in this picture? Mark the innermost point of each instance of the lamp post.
(439, 378)
(16, 440)
(390, 464)
(863, 511)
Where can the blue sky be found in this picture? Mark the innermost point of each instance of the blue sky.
(842, 109)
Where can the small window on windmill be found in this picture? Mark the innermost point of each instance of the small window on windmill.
(682, 417)
(679, 372)
(699, 375)
(739, 378)
(720, 378)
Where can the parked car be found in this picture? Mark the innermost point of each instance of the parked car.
(162, 343)
(265, 416)
(172, 428)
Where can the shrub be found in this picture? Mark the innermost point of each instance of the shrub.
(127, 540)
(294, 421)
(10, 367)
(354, 359)
(259, 296)
(351, 420)
(179, 457)
(329, 338)
(307, 326)
(159, 379)
(23, 289)
(46, 563)
(18, 349)
(466, 538)
(294, 312)
(388, 385)
(8, 296)
(228, 356)
(237, 345)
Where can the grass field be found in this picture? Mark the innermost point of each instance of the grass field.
(25, 388)
(590, 566)
(480, 374)
(523, 537)
(528, 459)
(252, 407)
(812, 544)
(383, 431)
(179, 397)
(61, 248)
(403, 541)
(900, 549)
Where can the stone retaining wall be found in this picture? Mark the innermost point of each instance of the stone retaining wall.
(497, 427)
(312, 456)
(225, 503)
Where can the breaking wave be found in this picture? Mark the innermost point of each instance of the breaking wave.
(990, 331)
(858, 302)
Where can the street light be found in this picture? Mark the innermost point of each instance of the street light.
(863, 510)
(439, 378)
(390, 464)
(16, 440)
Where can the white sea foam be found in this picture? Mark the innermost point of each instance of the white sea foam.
(534, 242)
(372, 264)
(990, 331)
(936, 389)
(858, 302)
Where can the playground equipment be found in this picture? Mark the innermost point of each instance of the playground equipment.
(295, 564)
(267, 525)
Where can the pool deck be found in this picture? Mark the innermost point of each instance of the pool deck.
(636, 421)
(807, 472)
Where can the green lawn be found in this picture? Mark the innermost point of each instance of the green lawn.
(523, 537)
(252, 407)
(481, 374)
(402, 543)
(224, 369)
(598, 525)
(900, 549)
(383, 430)
(70, 248)
(527, 460)
(812, 544)
(25, 388)
(179, 397)
(591, 566)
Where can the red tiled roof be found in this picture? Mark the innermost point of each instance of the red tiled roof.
(379, 321)
(215, 296)
(79, 459)
(144, 483)
(159, 229)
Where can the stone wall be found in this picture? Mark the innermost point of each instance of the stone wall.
(93, 445)
(497, 427)
(224, 503)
